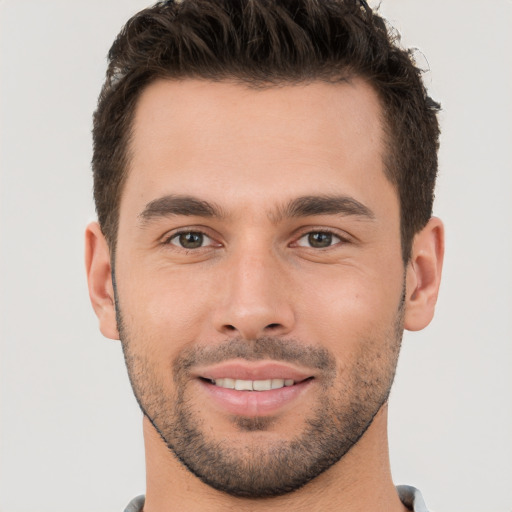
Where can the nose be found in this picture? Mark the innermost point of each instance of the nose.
(255, 297)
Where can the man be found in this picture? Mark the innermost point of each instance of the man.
(264, 175)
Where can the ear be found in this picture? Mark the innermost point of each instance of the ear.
(424, 275)
(99, 279)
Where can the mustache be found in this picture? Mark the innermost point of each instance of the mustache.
(265, 347)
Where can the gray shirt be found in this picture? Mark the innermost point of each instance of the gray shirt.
(410, 497)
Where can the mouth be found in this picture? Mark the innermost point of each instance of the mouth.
(252, 390)
(252, 385)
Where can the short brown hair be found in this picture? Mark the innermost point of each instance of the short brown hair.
(264, 43)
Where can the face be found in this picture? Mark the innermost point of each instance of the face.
(259, 279)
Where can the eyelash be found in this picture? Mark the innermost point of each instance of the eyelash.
(168, 240)
(331, 234)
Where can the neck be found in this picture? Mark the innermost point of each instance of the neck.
(359, 482)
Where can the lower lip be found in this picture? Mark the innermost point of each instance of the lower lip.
(255, 403)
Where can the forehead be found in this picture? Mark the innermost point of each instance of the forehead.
(222, 139)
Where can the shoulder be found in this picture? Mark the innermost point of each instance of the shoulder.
(136, 504)
(411, 498)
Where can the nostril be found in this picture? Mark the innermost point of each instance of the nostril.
(273, 326)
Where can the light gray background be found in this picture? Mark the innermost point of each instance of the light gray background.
(70, 431)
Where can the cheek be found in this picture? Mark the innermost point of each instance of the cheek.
(166, 307)
(348, 305)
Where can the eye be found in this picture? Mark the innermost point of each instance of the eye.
(190, 240)
(318, 240)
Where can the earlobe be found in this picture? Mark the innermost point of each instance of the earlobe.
(99, 279)
(424, 275)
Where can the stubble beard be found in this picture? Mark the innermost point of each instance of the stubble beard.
(260, 468)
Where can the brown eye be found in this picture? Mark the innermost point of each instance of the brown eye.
(190, 240)
(318, 240)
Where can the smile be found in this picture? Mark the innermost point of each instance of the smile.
(252, 385)
(254, 388)
(251, 398)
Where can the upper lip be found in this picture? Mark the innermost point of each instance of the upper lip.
(251, 370)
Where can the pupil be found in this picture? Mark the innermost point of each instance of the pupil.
(191, 240)
(320, 239)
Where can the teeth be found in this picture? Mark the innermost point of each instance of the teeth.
(243, 385)
(277, 383)
(253, 385)
(262, 385)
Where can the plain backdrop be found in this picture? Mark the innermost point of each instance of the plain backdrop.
(70, 430)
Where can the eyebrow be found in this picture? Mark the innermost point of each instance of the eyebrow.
(308, 206)
(304, 206)
(172, 205)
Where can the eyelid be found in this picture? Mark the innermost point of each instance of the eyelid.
(167, 238)
(206, 240)
(343, 238)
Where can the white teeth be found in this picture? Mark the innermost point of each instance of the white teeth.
(243, 385)
(277, 383)
(262, 385)
(253, 385)
(227, 383)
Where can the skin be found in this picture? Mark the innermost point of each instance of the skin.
(251, 153)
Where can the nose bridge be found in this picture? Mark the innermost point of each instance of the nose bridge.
(255, 301)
